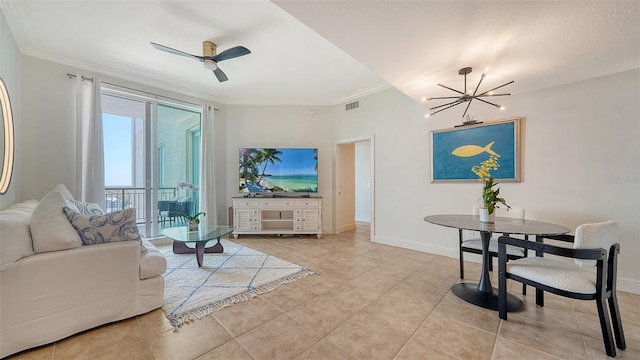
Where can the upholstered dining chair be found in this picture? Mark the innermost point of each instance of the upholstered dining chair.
(474, 244)
(592, 276)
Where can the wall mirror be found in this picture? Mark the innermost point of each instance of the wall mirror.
(6, 136)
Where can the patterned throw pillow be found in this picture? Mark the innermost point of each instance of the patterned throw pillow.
(91, 209)
(111, 227)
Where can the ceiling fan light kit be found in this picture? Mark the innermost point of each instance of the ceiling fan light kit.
(466, 96)
(209, 58)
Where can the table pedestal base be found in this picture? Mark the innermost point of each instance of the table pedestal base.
(489, 300)
(181, 248)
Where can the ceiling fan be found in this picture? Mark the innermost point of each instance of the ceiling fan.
(209, 58)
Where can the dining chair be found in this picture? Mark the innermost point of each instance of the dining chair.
(592, 276)
(473, 244)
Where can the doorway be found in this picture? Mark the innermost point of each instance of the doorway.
(354, 190)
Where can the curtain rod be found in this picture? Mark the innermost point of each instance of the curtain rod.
(157, 97)
(70, 76)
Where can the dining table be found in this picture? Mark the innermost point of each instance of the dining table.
(482, 293)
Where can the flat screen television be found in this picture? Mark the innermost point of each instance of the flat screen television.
(278, 170)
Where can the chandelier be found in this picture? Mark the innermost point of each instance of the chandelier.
(466, 96)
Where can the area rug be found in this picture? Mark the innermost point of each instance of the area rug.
(236, 275)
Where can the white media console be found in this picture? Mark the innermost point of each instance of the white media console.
(285, 215)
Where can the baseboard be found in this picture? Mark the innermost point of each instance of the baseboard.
(629, 285)
(348, 227)
(418, 246)
(626, 285)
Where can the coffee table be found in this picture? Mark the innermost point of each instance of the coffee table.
(181, 235)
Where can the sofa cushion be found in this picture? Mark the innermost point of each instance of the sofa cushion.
(115, 226)
(15, 242)
(152, 263)
(83, 207)
(50, 228)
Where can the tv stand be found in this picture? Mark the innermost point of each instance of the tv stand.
(277, 216)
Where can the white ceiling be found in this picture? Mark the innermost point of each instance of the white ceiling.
(362, 46)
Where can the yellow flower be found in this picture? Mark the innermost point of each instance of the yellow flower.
(483, 171)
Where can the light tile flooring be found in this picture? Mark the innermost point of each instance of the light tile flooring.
(370, 301)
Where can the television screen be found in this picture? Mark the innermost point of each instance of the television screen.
(278, 170)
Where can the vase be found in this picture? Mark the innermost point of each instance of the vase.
(193, 226)
(485, 216)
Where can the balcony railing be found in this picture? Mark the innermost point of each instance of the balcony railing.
(120, 198)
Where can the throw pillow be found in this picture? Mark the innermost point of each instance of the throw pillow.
(50, 228)
(115, 226)
(83, 207)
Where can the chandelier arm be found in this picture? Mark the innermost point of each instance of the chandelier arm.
(444, 97)
(469, 104)
(483, 95)
(439, 106)
(488, 102)
(476, 90)
(496, 88)
(446, 87)
(450, 106)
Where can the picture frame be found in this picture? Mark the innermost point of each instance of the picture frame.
(455, 151)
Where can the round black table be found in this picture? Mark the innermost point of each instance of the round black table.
(482, 293)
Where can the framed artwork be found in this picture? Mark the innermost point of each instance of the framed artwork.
(456, 150)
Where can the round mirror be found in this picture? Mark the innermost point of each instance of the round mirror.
(7, 145)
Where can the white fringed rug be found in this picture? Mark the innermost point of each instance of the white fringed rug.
(236, 275)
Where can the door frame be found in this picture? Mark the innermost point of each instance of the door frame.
(338, 180)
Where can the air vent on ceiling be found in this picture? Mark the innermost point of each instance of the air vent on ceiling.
(351, 106)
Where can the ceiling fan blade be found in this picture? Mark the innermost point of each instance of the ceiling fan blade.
(220, 75)
(174, 51)
(231, 53)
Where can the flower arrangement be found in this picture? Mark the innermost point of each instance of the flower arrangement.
(490, 197)
(184, 185)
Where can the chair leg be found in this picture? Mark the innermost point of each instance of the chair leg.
(616, 321)
(460, 256)
(490, 263)
(524, 289)
(605, 326)
(502, 296)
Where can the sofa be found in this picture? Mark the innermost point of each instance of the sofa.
(55, 283)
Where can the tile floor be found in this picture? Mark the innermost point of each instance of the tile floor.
(370, 301)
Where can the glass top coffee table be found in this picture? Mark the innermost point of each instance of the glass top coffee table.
(181, 235)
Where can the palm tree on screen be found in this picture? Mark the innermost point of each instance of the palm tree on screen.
(268, 156)
(247, 163)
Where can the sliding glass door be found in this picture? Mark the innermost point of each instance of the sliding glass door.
(178, 134)
(152, 160)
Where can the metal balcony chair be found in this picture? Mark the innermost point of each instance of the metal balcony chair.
(173, 210)
(592, 276)
(474, 244)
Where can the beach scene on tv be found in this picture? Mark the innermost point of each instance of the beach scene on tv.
(278, 170)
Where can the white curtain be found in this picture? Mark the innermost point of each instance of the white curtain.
(207, 172)
(90, 154)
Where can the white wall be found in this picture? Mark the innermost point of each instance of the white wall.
(283, 126)
(581, 158)
(10, 73)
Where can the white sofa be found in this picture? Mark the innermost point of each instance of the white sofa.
(49, 295)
